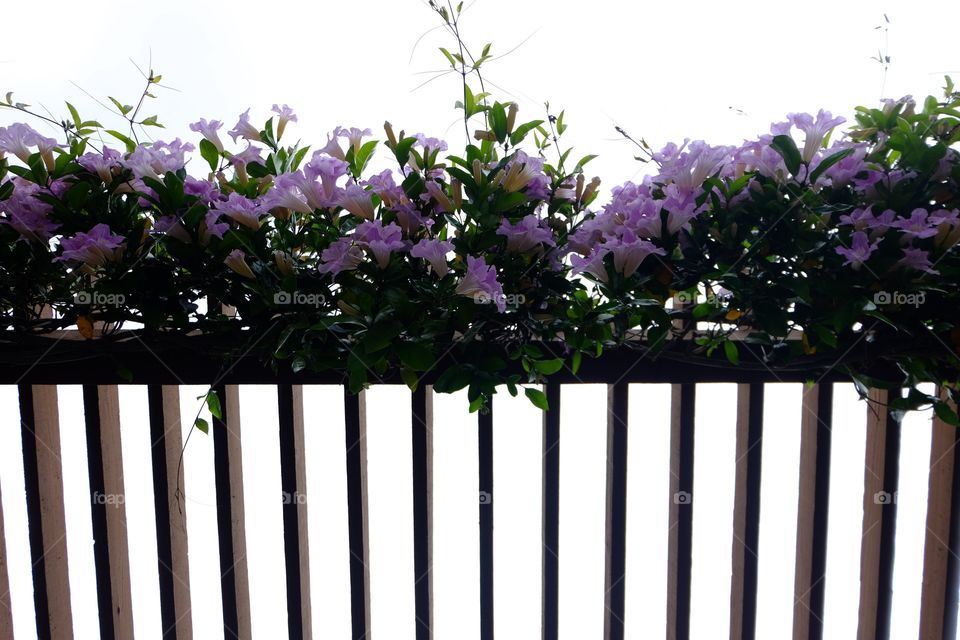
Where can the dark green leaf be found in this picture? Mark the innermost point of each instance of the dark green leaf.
(210, 154)
(787, 148)
(537, 397)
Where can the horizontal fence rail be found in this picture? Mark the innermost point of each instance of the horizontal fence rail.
(45, 508)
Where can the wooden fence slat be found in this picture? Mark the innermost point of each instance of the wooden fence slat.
(422, 444)
(812, 509)
(551, 514)
(486, 496)
(231, 521)
(938, 599)
(680, 536)
(43, 479)
(108, 508)
(293, 481)
(173, 568)
(880, 479)
(616, 512)
(6, 610)
(355, 413)
(746, 512)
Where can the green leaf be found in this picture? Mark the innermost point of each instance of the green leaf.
(548, 367)
(414, 355)
(151, 122)
(577, 359)
(826, 163)
(498, 122)
(946, 413)
(787, 148)
(537, 397)
(210, 154)
(202, 425)
(381, 335)
(521, 131)
(124, 108)
(733, 353)
(130, 144)
(75, 115)
(213, 403)
(410, 378)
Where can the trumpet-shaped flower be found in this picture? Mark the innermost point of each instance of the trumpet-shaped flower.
(341, 255)
(526, 234)
(208, 129)
(480, 283)
(356, 200)
(18, 138)
(287, 193)
(286, 115)
(94, 248)
(919, 259)
(101, 164)
(629, 251)
(917, 225)
(243, 129)
(815, 130)
(435, 252)
(379, 240)
(26, 213)
(860, 250)
(241, 210)
(592, 264)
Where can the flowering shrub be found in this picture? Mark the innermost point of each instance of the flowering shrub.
(837, 253)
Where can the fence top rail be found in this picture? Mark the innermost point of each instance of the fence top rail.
(196, 360)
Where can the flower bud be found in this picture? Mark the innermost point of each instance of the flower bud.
(457, 193)
(238, 264)
(284, 262)
(390, 136)
(477, 172)
(511, 117)
(591, 189)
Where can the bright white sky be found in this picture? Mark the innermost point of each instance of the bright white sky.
(662, 71)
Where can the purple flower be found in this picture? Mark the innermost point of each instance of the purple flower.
(860, 252)
(917, 225)
(480, 283)
(342, 255)
(243, 129)
(156, 160)
(204, 190)
(384, 186)
(241, 210)
(101, 164)
(379, 240)
(27, 214)
(435, 252)
(815, 130)
(356, 200)
(629, 251)
(287, 193)
(918, 259)
(209, 131)
(210, 228)
(18, 138)
(329, 170)
(429, 144)
(94, 248)
(592, 264)
(689, 169)
(286, 115)
(526, 234)
(171, 226)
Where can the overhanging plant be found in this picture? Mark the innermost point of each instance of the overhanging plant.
(809, 252)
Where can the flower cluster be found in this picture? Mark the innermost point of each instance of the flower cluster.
(496, 246)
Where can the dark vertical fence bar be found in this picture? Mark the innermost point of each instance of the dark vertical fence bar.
(40, 433)
(680, 538)
(746, 512)
(938, 598)
(616, 517)
(111, 550)
(6, 612)
(422, 434)
(813, 506)
(551, 514)
(169, 508)
(881, 476)
(485, 449)
(98, 509)
(356, 432)
(228, 471)
(295, 531)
